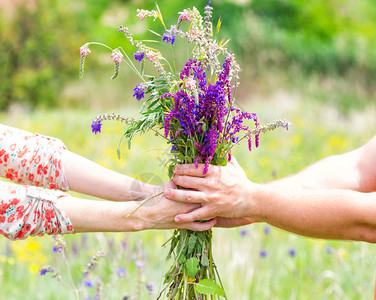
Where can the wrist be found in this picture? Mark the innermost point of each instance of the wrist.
(135, 190)
(129, 217)
(254, 200)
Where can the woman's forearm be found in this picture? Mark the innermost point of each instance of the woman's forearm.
(98, 216)
(87, 177)
(320, 213)
(106, 216)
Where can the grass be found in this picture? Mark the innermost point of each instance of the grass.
(318, 269)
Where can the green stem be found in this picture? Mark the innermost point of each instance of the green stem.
(144, 203)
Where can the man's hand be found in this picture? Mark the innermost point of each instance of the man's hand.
(222, 191)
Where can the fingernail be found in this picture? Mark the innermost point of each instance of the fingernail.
(167, 192)
(177, 219)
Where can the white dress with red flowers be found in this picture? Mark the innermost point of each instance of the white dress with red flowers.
(29, 207)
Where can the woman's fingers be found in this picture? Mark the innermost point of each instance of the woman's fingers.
(186, 196)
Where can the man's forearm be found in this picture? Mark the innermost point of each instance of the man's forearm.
(337, 172)
(320, 213)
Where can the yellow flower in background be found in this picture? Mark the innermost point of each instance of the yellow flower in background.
(337, 142)
(11, 261)
(3, 258)
(28, 251)
(34, 268)
(342, 253)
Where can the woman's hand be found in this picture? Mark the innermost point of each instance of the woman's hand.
(222, 192)
(161, 215)
(160, 212)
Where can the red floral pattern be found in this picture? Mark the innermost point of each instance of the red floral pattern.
(32, 160)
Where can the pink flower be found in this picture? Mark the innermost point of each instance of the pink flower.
(116, 56)
(84, 50)
(190, 83)
(184, 15)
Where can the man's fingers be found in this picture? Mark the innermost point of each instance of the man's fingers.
(189, 182)
(191, 170)
(186, 196)
(196, 215)
(201, 226)
(234, 162)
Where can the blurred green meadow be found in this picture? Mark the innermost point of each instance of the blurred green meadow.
(313, 64)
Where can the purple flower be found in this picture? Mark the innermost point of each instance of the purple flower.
(267, 230)
(139, 92)
(88, 283)
(292, 252)
(150, 287)
(45, 270)
(328, 250)
(139, 56)
(169, 37)
(74, 249)
(121, 272)
(250, 144)
(140, 264)
(96, 126)
(243, 232)
(263, 253)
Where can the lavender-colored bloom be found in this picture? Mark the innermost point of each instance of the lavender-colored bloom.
(124, 244)
(88, 283)
(43, 271)
(267, 230)
(263, 253)
(96, 126)
(328, 250)
(121, 272)
(140, 264)
(243, 232)
(292, 252)
(74, 249)
(139, 56)
(139, 92)
(150, 287)
(169, 37)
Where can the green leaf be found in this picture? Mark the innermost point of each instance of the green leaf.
(204, 127)
(204, 260)
(192, 266)
(192, 243)
(221, 161)
(182, 259)
(208, 287)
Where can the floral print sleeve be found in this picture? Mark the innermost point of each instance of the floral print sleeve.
(31, 160)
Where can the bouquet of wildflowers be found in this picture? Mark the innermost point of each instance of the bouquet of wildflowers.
(194, 110)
